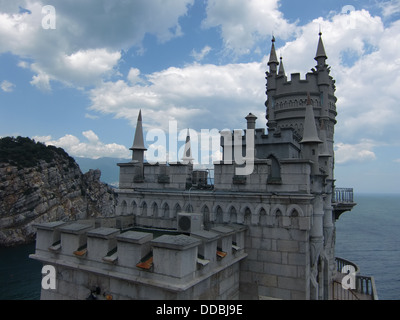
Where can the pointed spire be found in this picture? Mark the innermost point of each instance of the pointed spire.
(187, 154)
(321, 49)
(310, 134)
(281, 71)
(272, 57)
(138, 142)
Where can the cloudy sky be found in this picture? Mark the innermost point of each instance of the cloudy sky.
(76, 74)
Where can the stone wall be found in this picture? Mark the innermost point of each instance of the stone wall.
(137, 265)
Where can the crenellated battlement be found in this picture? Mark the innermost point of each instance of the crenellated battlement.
(173, 262)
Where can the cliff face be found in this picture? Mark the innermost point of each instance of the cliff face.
(35, 190)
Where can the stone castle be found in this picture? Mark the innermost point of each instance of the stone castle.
(264, 234)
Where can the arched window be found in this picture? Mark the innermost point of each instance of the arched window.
(233, 215)
(247, 216)
(189, 208)
(206, 215)
(124, 207)
(144, 209)
(154, 210)
(263, 217)
(219, 218)
(165, 210)
(294, 213)
(134, 207)
(177, 210)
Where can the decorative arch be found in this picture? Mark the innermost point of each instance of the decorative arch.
(278, 209)
(206, 214)
(177, 209)
(124, 208)
(294, 209)
(154, 210)
(219, 214)
(232, 214)
(263, 217)
(247, 216)
(134, 207)
(189, 208)
(144, 208)
(165, 210)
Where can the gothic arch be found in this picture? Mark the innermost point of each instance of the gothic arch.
(165, 212)
(206, 214)
(134, 207)
(266, 208)
(278, 209)
(245, 213)
(246, 216)
(294, 208)
(219, 214)
(124, 208)
(143, 207)
(232, 214)
(153, 212)
(189, 208)
(263, 217)
(176, 210)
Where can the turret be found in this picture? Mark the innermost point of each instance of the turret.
(273, 60)
(187, 154)
(138, 147)
(271, 86)
(310, 139)
(320, 56)
(138, 150)
(281, 71)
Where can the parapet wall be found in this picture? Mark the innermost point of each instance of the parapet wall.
(147, 267)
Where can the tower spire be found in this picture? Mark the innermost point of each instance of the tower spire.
(310, 134)
(321, 49)
(138, 147)
(281, 71)
(273, 60)
(187, 154)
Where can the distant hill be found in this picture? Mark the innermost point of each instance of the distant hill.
(107, 166)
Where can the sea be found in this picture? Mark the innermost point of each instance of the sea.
(369, 236)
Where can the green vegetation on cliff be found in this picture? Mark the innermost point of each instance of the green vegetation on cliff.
(26, 153)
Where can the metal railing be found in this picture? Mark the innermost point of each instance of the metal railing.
(343, 195)
(364, 285)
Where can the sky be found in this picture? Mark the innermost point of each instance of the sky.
(76, 73)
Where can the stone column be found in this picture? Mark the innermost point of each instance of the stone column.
(316, 245)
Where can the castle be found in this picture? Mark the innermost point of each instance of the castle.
(263, 233)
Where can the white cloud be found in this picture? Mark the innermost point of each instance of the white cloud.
(198, 56)
(7, 86)
(134, 76)
(390, 8)
(204, 96)
(243, 23)
(41, 81)
(90, 35)
(348, 153)
(93, 148)
(397, 160)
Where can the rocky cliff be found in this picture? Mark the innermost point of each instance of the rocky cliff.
(41, 183)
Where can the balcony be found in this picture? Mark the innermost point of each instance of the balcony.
(364, 286)
(343, 200)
